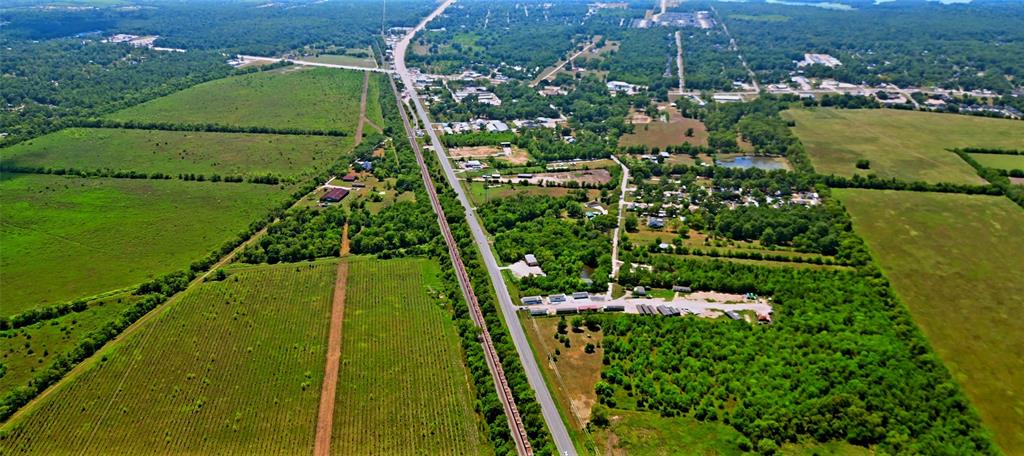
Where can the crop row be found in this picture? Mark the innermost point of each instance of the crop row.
(232, 367)
(402, 388)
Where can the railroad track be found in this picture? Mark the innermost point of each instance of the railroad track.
(515, 421)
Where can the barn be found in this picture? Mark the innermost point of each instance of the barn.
(334, 195)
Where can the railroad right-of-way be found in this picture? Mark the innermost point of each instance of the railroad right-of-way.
(559, 432)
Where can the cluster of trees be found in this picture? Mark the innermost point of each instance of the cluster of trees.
(590, 108)
(302, 234)
(548, 145)
(709, 61)
(646, 57)
(51, 84)
(807, 228)
(842, 361)
(909, 44)
(557, 233)
(404, 228)
(479, 138)
(484, 35)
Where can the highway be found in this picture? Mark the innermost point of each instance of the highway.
(515, 421)
(559, 433)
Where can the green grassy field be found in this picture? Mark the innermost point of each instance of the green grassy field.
(291, 97)
(340, 59)
(231, 367)
(174, 152)
(402, 388)
(998, 161)
(373, 110)
(955, 260)
(66, 237)
(24, 350)
(903, 144)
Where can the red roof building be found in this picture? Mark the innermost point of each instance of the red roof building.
(334, 195)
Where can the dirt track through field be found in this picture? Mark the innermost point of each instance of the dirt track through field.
(325, 418)
(362, 109)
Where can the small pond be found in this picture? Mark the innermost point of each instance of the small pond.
(751, 161)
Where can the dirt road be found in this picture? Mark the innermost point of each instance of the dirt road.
(362, 110)
(325, 417)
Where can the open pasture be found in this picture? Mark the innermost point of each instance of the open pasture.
(661, 134)
(229, 367)
(999, 161)
(902, 144)
(176, 152)
(68, 237)
(955, 260)
(290, 97)
(34, 347)
(482, 192)
(403, 388)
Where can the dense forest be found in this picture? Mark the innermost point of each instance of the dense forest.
(970, 46)
(232, 27)
(841, 361)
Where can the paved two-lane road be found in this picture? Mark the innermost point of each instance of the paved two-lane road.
(556, 426)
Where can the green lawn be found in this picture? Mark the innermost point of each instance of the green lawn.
(231, 367)
(291, 97)
(903, 144)
(957, 262)
(174, 152)
(999, 161)
(402, 388)
(67, 237)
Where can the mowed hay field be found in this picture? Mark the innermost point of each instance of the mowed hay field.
(902, 144)
(957, 261)
(177, 152)
(66, 237)
(290, 97)
(999, 161)
(231, 367)
(402, 388)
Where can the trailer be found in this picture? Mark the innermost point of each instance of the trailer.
(614, 308)
(565, 310)
(732, 315)
(538, 312)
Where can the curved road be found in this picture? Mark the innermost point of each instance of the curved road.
(556, 426)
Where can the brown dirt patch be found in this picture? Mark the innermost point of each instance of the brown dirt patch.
(1017, 180)
(518, 157)
(576, 372)
(588, 176)
(474, 151)
(329, 388)
(661, 134)
(362, 109)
